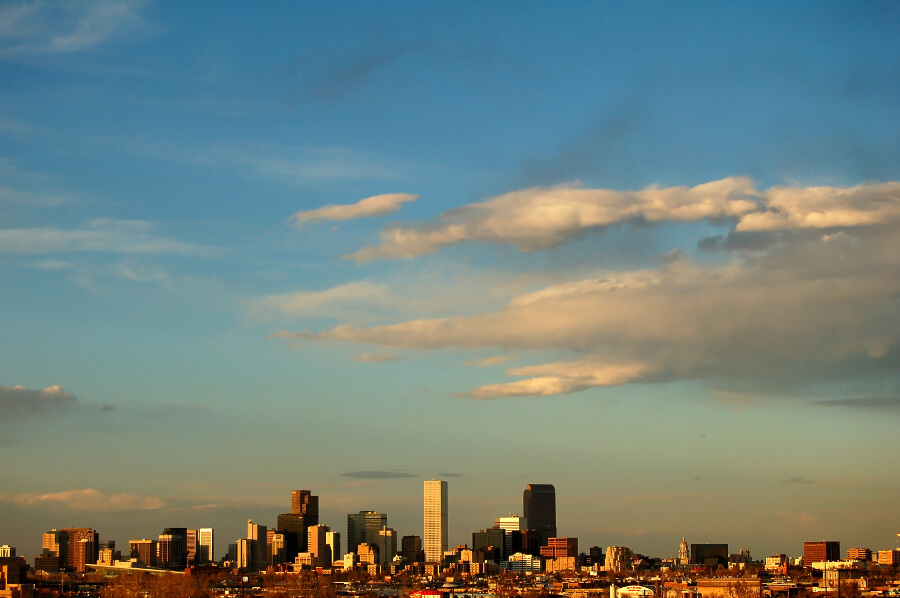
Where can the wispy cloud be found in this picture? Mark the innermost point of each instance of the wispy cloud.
(374, 357)
(798, 480)
(284, 163)
(63, 27)
(99, 236)
(379, 475)
(337, 80)
(862, 403)
(313, 302)
(11, 195)
(557, 379)
(18, 401)
(488, 361)
(378, 205)
(546, 217)
(88, 499)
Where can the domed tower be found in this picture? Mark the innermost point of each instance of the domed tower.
(683, 556)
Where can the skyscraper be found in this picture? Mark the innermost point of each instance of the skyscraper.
(363, 528)
(387, 545)
(333, 539)
(435, 520)
(207, 546)
(412, 549)
(318, 546)
(539, 509)
(257, 536)
(304, 514)
(304, 502)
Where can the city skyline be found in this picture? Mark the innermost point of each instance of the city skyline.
(435, 505)
(648, 253)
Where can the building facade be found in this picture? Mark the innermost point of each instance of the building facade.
(821, 551)
(709, 555)
(411, 547)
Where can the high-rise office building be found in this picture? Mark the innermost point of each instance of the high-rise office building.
(411, 547)
(304, 502)
(171, 548)
(363, 528)
(304, 514)
(295, 529)
(207, 552)
(192, 546)
(511, 524)
(539, 509)
(318, 546)
(435, 520)
(82, 547)
(56, 543)
(257, 546)
(387, 545)
(333, 539)
(277, 547)
(492, 542)
(817, 552)
(144, 550)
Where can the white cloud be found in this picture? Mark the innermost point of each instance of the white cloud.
(378, 205)
(57, 27)
(105, 235)
(18, 401)
(542, 218)
(88, 499)
(559, 378)
(825, 207)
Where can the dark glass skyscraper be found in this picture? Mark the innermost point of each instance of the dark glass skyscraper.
(539, 509)
(363, 528)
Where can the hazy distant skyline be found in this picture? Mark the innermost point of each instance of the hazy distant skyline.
(646, 252)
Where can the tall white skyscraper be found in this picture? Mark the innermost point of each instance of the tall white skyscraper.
(435, 541)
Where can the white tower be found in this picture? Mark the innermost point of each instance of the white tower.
(435, 540)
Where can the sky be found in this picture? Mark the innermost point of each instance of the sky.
(648, 252)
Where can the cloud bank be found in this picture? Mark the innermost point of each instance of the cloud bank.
(809, 291)
(18, 401)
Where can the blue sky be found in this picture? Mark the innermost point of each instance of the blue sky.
(646, 252)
